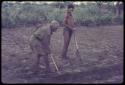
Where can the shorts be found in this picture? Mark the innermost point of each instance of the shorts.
(67, 30)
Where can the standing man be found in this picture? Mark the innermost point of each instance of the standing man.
(68, 30)
(40, 45)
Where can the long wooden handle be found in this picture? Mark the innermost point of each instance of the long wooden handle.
(54, 64)
(76, 42)
(77, 49)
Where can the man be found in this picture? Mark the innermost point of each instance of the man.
(68, 30)
(40, 42)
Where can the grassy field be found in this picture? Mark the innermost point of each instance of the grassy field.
(101, 49)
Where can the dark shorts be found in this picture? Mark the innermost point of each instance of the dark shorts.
(67, 30)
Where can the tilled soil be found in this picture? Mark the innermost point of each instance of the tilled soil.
(101, 49)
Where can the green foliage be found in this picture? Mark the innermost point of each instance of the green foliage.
(14, 14)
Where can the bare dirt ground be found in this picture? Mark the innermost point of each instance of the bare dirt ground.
(101, 49)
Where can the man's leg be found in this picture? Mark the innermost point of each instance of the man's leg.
(36, 63)
(35, 46)
(46, 60)
(66, 43)
(67, 37)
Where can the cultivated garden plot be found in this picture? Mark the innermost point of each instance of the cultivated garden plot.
(101, 49)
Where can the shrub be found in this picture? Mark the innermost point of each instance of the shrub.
(14, 14)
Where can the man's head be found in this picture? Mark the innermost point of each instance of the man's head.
(54, 25)
(70, 8)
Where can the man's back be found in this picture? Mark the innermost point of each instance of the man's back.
(41, 38)
(42, 32)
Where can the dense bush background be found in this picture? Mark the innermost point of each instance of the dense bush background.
(91, 14)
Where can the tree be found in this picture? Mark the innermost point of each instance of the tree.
(119, 8)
